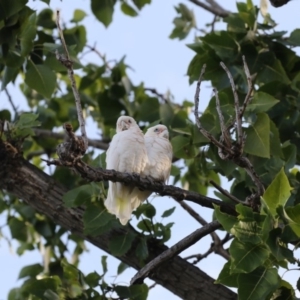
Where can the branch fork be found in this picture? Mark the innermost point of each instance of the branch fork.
(229, 149)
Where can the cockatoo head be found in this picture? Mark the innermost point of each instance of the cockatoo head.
(124, 123)
(160, 130)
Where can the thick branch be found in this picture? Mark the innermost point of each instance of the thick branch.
(145, 183)
(41, 192)
(174, 250)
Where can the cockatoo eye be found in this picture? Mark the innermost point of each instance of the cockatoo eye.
(129, 121)
(156, 130)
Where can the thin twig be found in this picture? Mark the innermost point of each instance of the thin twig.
(225, 134)
(11, 102)
(225, 193)
(94, 49)
(250, 87)
(236, 105)
(217, 249)
(196, 112)
(174, 250)
(198, 218)
(217, 243)
(66, 61)
(154, 91)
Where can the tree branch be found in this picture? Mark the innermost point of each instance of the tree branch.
(69, 65)
(227, 148)
(44, 194)
(174, 250)
(144, 183)
(213, 7)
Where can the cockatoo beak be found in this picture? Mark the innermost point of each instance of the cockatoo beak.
(164, 133)
(124, 126)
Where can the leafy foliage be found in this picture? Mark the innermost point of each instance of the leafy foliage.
(263, 241)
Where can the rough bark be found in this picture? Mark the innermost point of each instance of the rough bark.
(41, 192)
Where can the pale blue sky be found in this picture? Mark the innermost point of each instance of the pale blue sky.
(161, 63)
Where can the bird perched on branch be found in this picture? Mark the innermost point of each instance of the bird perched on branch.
(159, 151)
(126, 153)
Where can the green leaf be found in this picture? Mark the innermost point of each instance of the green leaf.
(119, 245)
(262, 102)
(226, 277)
(79, 195)
(258, 284)
(28, 32)
(222, 43)
(246, 257)
(225, 220)
(142, 249)
(248, 232)
(278, 249)
(9, 75)
(27, 120)
(168, 212)
(146, 209)
(45, 19)
(104, 263)
(92, 279)
(294, 213)
(140, 3)
(30, 271)
(18, 229)
(75, 37)
(103, 10)
(9, 8)
(277, 192)
(78, 15)
(97, 220)
(294, 218)
(134, 292)
(41, 78)
(74, 276)
(295, 37)
(275, 143)
(128, 10)
(258, 137)
(272, 71)
(245, 213)
(122, 267)
(39, 287)
(15, 294)
(182, 147)
(149, 109)
(183, 23)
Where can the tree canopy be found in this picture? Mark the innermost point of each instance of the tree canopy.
(248, 134)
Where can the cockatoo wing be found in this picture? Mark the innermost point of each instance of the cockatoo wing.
(126, 153)
(159, 151)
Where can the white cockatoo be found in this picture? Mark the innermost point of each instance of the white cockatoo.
(159, 151)
(126, 153)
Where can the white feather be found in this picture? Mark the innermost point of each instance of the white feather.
(126, 153)
(159, 151)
